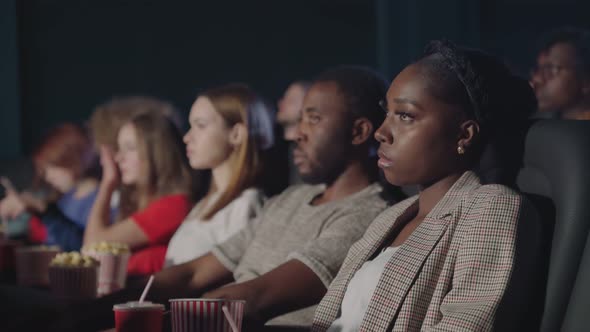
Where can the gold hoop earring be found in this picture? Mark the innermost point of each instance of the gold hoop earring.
(460, 150)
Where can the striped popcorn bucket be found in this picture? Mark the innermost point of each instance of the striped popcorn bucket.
(72, 282)
(32, 265)
(204, 315)
(112, 272)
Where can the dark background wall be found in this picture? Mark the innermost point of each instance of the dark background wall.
(58, 59)
(79, 53)
(10, 122)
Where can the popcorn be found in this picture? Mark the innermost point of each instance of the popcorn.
(73, 259)
(114, 248)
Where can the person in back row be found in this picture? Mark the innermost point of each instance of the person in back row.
(229, 129)
(441, 260)
(288, 115)
(561, 77)
(289, 109)
(283, 262)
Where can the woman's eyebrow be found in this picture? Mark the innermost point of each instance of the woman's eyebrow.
(407, 101)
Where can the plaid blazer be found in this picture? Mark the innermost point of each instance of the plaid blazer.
(449, 275)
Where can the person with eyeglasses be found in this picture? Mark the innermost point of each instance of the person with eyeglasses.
(561, 76)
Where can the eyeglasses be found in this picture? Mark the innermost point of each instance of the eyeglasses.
(548, 70)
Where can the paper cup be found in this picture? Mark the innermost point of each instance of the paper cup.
(73, 282)
(135, 317)
(112, 272)
(32, 265)
(205, 315)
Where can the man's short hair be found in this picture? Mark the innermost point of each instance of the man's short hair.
(363, 89)
(578, 38)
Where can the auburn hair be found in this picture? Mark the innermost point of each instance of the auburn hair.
(67, 146)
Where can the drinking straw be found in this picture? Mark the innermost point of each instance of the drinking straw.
(146, 289)
(230, 320)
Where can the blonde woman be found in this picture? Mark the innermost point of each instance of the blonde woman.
(156, 183)
(229, 128)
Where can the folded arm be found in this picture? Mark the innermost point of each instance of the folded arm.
(289, 287)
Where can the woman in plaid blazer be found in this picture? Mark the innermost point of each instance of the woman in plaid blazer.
(453, 245)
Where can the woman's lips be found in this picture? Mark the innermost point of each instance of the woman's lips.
(383, 161)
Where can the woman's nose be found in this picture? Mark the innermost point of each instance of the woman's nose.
(382, 135)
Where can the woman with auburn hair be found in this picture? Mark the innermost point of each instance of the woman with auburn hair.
(156, 185)
(64, 188)
(230, 126)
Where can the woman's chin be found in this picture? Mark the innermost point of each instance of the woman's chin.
(199, 166)
(128, 181)
(397, 181)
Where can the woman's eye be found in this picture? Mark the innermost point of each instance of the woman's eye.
(313, 119)
(405, 116)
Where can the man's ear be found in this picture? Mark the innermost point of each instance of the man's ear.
(469, 132)
(362, 130)
(238, 134)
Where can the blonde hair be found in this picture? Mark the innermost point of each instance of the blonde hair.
(165, 166)
(237, 103)
(108, 118)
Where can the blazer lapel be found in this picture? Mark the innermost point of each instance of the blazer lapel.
(401, 271)
(359, 253)
(383, 227)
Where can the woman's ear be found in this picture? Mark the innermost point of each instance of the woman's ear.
(238, 134)
(362, 129)
(468, 134)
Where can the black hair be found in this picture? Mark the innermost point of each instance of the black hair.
(486, 91)
(363, 89)
(578, 38)
(480, 84)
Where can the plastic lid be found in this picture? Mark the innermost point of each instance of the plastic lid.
(206, 300)
(135, 305)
